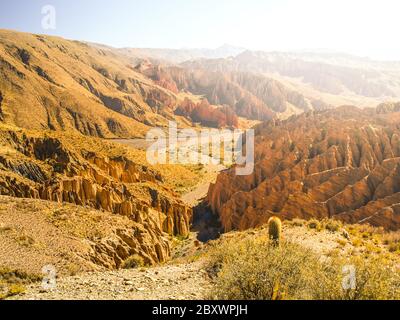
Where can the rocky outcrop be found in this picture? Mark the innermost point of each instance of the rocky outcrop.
(340, 164)
(207, 115)
(48, 168)
(73, 238)
(1, 110)
(112, 251)
(158, 75)
(388, 107)
(222, 89)
(249, 94)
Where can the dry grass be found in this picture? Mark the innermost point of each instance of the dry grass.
(62, 235)
(314, 224)
(13, 282)
(252, 269)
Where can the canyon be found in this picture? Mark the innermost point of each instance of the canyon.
(64, 169)
(341, 164)
(76, 189)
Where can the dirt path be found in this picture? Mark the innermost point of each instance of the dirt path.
(211, 170)
(167, 282)
(200, 192)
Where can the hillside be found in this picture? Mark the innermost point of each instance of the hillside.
(336, 79)
(63, 85)
(207, 272)
(95, 175)
(77, 193)
(341, 164)
(52, 83)
(249, 95)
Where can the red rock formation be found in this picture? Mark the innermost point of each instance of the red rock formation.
(158, 75)
(343, 164)
(207, 115)
(185, 108)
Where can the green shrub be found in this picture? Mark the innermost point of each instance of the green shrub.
(314, 224)
(134, 261)
(332, 225)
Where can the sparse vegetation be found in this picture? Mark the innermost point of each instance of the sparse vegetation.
(253, 270)
(314, 224)
(332, 225)
(250, 270)
(134, 261)
(297, 222)
(16, 276)
(12, 282)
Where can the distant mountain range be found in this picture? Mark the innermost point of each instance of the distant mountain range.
(53, 83)
(182, 55)
(337, 79)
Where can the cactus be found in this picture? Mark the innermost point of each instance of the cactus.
(275, 230)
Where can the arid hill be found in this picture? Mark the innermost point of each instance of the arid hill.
(51, 83)
(207, 115)
(62, 85)
(249, 94)
(97, 175)
(336, 79)
(342, 164)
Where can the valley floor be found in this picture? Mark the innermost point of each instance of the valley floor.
(184, 278)
(165, 282)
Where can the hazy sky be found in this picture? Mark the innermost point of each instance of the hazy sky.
(363, 27)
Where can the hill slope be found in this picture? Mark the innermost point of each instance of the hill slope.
(334, 78)
(92, 173)
(342, 163)
(52, 83)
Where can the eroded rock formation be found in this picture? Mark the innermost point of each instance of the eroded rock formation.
(342, 164)
(207, 115)
(48, 168)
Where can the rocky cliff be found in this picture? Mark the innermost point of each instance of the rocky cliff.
(249, 94)
(207, 115)
(342, 163)
(65, 169)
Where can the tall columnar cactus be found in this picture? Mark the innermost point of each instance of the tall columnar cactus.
(275, 230)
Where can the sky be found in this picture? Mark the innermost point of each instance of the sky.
(362, 27)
